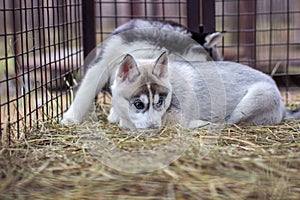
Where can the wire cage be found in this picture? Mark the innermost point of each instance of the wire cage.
(44, 43)
(262, 34)
(41, 43)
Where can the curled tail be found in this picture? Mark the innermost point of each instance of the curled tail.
(292, 114)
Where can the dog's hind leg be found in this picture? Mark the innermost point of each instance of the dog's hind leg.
(261, 105)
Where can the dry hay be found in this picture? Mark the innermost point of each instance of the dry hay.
(245, 162)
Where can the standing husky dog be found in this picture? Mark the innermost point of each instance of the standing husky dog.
(144, 40)
(147, 93)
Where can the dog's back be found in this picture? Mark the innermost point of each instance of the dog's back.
(228, 92)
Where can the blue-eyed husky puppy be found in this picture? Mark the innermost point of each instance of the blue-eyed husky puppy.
(144, 40)
(148, 93)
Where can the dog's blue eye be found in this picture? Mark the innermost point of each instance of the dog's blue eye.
(160, 102)
(139, 104)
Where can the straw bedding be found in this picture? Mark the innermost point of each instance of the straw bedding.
(236, 162)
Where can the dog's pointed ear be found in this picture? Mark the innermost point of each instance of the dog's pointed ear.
(128, 69)
(161, 66)
(213, 39)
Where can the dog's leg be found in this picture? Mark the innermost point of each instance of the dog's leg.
(93, 82)
(261, 105)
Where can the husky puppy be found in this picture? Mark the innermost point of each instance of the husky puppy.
(148, 93)
(142, 39)
(208, 40)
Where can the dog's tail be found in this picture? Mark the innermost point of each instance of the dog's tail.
(292, 114)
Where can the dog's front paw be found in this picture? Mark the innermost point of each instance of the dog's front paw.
(69, 117)
(113, 117)
(198, 124)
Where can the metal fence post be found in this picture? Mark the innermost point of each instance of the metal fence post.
(193, 15)
(208, 12)
(88, 27)
(201, 15)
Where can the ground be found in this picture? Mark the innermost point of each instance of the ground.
(236, 162)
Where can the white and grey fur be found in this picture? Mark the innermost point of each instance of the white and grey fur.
(250, 96)
(209, 41)
(142, 39)
(193, 89)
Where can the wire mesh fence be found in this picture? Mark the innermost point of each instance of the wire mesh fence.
(262, 34)
(43, 44)
(111, 14)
